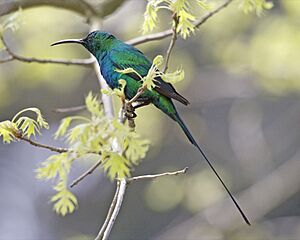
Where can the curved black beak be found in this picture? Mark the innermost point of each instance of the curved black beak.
(78, 41)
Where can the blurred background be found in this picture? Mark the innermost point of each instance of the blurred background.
(243, 82)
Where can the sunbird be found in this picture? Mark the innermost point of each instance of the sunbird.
(112, 55)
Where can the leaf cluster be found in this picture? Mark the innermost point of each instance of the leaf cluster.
(22, 126)
(57, 168)
(91, 137)
(181, 8)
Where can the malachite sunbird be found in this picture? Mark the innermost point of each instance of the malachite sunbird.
(113, 54)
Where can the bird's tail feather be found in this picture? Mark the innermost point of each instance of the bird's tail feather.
(193, 141)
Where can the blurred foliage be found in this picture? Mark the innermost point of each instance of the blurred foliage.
(257, 6)
(164, 194)
(195, 192)
(259, 53)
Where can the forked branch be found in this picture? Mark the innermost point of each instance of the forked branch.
(116, 204)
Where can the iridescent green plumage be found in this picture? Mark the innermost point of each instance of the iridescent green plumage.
(112, 54)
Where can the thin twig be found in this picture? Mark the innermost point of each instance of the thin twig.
(113, 217)
(8, 59)
(13, 56)
(70, 109)
(51, 148)
(89, 171)
(169, 32)
(172, 43)
(153, 176)
(140, 91)
(40, 145)
(110, 211)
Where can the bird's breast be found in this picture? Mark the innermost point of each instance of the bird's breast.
(110, 75)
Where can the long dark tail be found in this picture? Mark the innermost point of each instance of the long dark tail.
(193, 141)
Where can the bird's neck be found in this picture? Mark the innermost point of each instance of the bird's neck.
(100, 55)
(105, 49)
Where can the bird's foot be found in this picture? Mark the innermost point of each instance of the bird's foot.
(130, 115)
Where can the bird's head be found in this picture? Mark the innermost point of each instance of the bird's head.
(95, 42)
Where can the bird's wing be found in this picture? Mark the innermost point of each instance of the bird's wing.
(133, 58)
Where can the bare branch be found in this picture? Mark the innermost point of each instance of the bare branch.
(85, 174)
(172, 43)
(51, 148)
(13, 56)
(110, 211)
(169, 32)
(70, 109)
(122, 188)
(153, 176)
(150, 37)
(40, 145)
(80, 62)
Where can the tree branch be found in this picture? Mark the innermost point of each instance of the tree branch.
(85, 174)
(172, 43)
(40, 145)
(120, 196)
(110, 211)
(70, 109)
(153, 176)
(13, 56)
(169, 32)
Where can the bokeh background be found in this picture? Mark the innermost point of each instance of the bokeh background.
(243, 82)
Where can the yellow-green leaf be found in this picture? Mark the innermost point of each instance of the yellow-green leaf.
(178, 5)
(63, 127)
(8, 130)
(150, 17)
(116, 166)
(185, 25)
(173, 77)
(56, 165)
(136, 148)
(107, 91)
(158, 60)
(28, 126)
(93, 105)
(64, 201)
